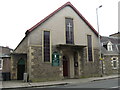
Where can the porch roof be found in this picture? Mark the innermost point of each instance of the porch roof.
(4, 56)
(71, 45)
(18, 53)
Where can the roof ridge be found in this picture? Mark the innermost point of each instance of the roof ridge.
(57, 10)
(68, 3)
(47, 17)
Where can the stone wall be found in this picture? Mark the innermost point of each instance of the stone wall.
(40, 70)
(22, 46)
(6, 65)
(108, 65)
(44, 71)
(14, 62)
(13, 67)
(90, 68)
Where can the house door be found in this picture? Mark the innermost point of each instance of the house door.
(20, 69)
(65, 66)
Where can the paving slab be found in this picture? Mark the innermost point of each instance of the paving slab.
(21, 84)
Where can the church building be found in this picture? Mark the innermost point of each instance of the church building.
(62, 45)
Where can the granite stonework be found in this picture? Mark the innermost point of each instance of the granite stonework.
(14, 64)
(110, 49)
(41, 70)
(108, 68)
(38, 70)
(73, 57)
(90, 68)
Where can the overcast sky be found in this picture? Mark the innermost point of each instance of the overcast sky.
(17, 16)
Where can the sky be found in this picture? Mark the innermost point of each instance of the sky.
(17, 16)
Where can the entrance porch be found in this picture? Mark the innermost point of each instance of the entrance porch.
(18, 66)
(72, 56)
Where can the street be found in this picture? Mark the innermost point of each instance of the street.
(101, 85)
(110, 84)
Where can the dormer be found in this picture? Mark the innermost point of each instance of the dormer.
(109, 46)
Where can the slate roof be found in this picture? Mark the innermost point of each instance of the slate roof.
(5, 52)
(4, 56)
(115, 47)
(117, 34)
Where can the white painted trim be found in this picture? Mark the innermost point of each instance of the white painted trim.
(109, 46)
(116, 62)
(1, 64)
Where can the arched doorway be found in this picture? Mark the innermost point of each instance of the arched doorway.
(20, 69)
(65, 66)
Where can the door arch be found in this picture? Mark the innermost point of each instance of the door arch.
(20, 69)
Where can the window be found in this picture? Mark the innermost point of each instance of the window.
(109, 46)
(117, 47)
(1, 64)
(114, 62)
(105, 46)
(89, 41)
(46, 46)
(69, 31)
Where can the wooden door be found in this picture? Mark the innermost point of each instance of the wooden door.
(65, 66)
(20, 69)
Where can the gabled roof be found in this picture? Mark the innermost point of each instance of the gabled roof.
(113, 40)
(53, 13)
(118, 33)
(115, 47)
(63, 6)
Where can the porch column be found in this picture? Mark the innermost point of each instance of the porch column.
(13, 68)
(79, 64)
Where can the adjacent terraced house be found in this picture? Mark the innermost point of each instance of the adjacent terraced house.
(5, 63)
(111, 53)
(62, 45)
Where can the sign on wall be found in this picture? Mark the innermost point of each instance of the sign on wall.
(55, 59)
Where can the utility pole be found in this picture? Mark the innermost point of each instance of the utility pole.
(100, 57)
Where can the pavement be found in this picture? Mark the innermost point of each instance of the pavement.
(20, 84)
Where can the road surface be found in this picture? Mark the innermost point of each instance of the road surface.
(109, 84)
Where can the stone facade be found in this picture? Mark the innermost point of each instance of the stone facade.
(108, 67)
(5, 62)
(110, 50)
(90, 69)
(40, 70)
(73, 58)
(14, 64)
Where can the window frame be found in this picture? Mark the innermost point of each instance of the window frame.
(88, 49)
(49, 46)
(109, 46)
(1, 64)
(66, 31)
(112, 62)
